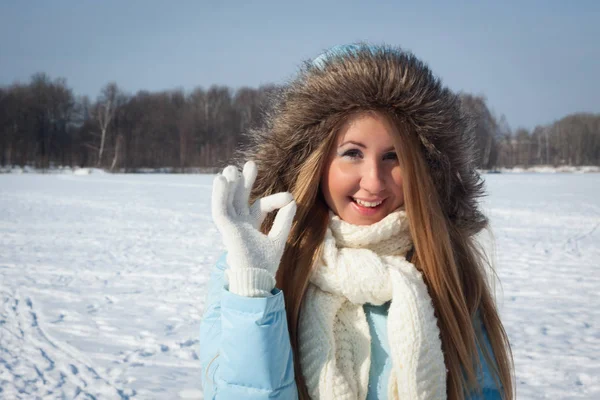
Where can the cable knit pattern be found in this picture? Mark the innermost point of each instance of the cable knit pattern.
(367, 264)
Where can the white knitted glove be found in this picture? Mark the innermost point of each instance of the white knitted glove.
(252, 256)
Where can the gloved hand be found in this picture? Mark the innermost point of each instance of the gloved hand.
(252, 256)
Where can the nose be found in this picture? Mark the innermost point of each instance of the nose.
(372, 178)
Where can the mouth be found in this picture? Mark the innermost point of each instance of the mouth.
(368, 204)
(367, 207)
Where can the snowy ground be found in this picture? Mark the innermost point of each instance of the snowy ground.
(102, 281)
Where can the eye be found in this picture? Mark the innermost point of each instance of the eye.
(352, 153)
(390, 156)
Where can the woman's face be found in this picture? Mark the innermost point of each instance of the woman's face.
(362, 181)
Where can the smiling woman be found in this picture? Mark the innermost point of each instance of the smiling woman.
(362, 180)
(352, 269)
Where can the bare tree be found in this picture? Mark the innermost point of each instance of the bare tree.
(104, 112)
(486, 128)
(116, 153)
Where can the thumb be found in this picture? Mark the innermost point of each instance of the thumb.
(283, 222)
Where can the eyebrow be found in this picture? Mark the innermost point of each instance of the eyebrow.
(361, 145)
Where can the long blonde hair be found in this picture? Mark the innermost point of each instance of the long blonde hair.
(448, 257)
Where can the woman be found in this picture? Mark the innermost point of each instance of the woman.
(367, 283)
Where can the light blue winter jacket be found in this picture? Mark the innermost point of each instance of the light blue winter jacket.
(245, 349)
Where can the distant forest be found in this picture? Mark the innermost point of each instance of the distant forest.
(44, 124)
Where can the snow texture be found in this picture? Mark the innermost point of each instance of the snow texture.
(103, 279)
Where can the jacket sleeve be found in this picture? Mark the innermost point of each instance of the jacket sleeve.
(485, 376)
(245, 350)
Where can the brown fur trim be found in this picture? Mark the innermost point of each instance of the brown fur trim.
(388, 79)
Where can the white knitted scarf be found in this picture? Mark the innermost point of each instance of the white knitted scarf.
(367, 264)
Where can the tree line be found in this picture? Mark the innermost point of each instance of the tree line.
(44, 124)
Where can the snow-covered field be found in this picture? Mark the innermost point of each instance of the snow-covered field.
(102, 281)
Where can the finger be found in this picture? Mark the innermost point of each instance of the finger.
(242, 194)
(219, 200)
(283, 223)
(262, 207)
(231, 173)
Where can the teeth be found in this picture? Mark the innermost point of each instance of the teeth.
(367, 203)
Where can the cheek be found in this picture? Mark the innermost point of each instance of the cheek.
(337, 182)
(397, 183)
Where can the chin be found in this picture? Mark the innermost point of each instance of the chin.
(354, 218)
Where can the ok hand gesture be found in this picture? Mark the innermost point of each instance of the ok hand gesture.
(252, 256)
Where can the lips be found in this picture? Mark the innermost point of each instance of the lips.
(368, 204)
(369, 209)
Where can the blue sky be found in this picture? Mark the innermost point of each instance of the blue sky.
(535, 61)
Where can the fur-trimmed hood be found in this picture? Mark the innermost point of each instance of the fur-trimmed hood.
(350, 78)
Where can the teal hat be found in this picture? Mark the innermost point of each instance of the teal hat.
(344, 50)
